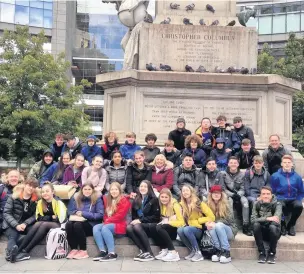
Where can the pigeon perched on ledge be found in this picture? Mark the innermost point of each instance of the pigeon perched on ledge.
(231, 70)
(210, 8)
(202, 22)
(201, 69)
(189, 69)
(219, 70)
(244, 70)
(165, 67)
(166, 21)
(231, 24)
(174, 6)
(190, 7)
(151, 67)
(186, 21)
(215, 23)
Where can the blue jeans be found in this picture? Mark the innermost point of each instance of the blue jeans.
(104, 237)
(189, 236)
(221, 235)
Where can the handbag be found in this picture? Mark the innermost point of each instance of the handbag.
(64, 192)
(76, 218)
(206, 244)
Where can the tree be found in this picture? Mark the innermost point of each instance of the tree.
(291, 66)
(35, 99)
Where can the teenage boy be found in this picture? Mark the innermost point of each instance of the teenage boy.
(246, 154)
(233, 184)
(58, 146)
(220, 155)
(73, 145)
(204, 131)
(150, 150)
(287, 185)
(170, 152)
(90, 150)
(179, 135)
(130, 147)
(266, 218)
(242, 131)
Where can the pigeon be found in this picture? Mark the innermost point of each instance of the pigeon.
(166, 21)
(190, 7)
(186, 21)
(253, 71)
(215, 23)
(201, 69)
(219, 70)
(165, 67)
(231, 70)
(151, 67)
(189, 69)
(244, 70)
(210, 8)
(174, 6)
(148, 18)
(202, 22)
(231, 24)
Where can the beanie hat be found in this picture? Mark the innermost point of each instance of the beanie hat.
(220, 140)
(91, 137)
(180, 120)
(216, 188)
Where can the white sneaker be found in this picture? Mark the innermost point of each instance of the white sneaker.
(172, 256)
(197, 257)
(192, 253)
(161, 254)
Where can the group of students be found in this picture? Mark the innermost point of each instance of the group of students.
(190, 186)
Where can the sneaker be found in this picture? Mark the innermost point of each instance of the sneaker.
(81, 254)
(136, 258)
(22, 256)
(72, 253)
(161, 254)
(101, 255)
(110, 257)
(271, 258)
(172, 256)
(7, 255)
(291, 231)
(146, 257)
(216, 257)
(247, 230)
(283, 229)
(192, 253)
(197, 257)
(262, 258)
(13, 254)
(225, 257)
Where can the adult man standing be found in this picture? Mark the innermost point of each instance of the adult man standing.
(287, 185)
(266, 218)
(273, 154)
(179, 135)
(242, 131)
(233, 184)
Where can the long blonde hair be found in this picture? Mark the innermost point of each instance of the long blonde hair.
(194, 204)
(111, 206)
(169, 206)
(221, 209)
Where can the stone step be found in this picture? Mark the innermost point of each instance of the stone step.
(243, 247)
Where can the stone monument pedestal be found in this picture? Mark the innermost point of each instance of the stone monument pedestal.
(145, 102)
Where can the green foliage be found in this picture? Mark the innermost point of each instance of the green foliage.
(36, 101)
(292, 66)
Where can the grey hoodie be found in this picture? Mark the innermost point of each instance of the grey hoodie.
(210, 178)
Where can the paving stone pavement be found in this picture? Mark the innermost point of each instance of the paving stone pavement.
(127, 265)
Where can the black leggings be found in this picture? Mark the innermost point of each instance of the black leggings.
(140, 234)
(163, 235)
(77, 233)
(36, 234)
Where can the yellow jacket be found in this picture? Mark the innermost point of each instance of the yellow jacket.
(59, 209)
(179, 219)
(205, 215)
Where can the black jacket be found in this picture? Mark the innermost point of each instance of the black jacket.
(136, 175)
(13, 212)
(107, 150)
(5, 192)
(150, 153)
(151, 211)
(245, 133)
(172, 156)
(246, 159)
(178, 137)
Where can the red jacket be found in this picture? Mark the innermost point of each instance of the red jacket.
(162, 179)
(119, 217)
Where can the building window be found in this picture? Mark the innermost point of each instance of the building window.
(7, 13)
(265, 24)
(22, 3)
(36, 4)
(266, 9)
(279, 24)
(302, 21)
(36, 17)
(21, 15)
(47, 19)
(293, 22)
(253, 23)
